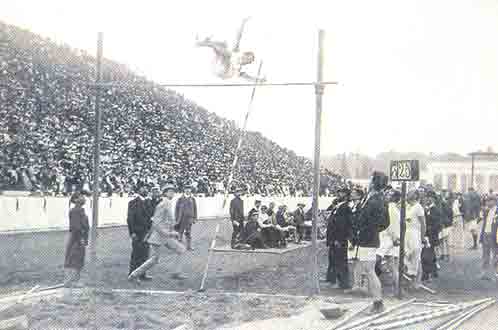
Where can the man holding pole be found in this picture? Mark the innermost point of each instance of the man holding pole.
(373, 218)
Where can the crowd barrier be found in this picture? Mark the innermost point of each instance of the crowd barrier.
(51, 213)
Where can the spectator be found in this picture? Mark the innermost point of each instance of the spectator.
(150, 135)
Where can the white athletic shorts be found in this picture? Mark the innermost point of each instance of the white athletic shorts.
(472, 225)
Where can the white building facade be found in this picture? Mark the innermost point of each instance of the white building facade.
(456, 175)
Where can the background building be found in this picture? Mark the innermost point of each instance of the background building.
(454, 172)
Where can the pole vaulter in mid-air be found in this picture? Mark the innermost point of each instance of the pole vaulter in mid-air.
(229, 63)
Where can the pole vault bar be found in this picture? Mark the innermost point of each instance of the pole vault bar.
(111, 84)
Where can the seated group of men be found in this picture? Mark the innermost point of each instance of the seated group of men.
(265, 227)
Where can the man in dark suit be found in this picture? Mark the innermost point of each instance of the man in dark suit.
(139, 223)
(154, 200)
(489, 238)
(237, 215)
(339, 231)
(186, 215)
(433, 219)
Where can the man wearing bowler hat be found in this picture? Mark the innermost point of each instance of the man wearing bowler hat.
(186, 215)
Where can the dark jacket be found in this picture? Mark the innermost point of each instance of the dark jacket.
(280, 217)
(139, 214)
(494, 226)
(433, 218)
(339, 227)
(237, 209)
(372, 219)
(182, 213)
(75, 248)
(299, 217)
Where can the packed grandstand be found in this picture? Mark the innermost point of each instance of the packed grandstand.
(151, 135)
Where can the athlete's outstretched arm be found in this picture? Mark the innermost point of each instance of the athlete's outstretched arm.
(236, 46)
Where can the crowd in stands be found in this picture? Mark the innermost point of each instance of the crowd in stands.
(150, 135)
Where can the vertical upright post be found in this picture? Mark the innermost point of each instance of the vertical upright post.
(472, 173)
(402, 232)
(316, 175)
(96, 176)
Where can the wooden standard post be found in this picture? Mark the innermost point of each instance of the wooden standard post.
(402, 232)
(96, 179)
(316, 177)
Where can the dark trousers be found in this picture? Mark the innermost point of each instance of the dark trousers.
(338, 265)
(237, 230)
(139, 253)
(255, 240)
(272, 236)
(300, 232)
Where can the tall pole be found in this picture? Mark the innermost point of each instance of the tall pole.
(402, 232)
(472, 173)
(242, 134)
(316, 177)
(96, 177)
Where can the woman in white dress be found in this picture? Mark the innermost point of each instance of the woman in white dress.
(162, 233)
(457, 236)
(415, 233)
(389, 238)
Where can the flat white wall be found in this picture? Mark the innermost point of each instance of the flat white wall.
(44, 213)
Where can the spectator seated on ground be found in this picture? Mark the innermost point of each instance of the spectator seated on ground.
(252, 235)
(272, 237)
(283, 219)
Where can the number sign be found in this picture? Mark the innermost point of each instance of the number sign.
(404, 170)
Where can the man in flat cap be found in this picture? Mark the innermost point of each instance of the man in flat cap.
(186, 215)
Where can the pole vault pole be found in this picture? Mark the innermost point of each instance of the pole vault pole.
(316, 177)
(241, 137)
(96, 177)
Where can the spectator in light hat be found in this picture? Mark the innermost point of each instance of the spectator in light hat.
(163, 233)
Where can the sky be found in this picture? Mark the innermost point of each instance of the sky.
(414, 75)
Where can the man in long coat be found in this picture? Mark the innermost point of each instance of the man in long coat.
(236, 216)
(186, 215)
(339, 232)
(139, 224)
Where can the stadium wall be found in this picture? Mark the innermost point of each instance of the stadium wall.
(30, 214)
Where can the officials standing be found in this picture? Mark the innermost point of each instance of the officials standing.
(236, 216)
(339, 232)
(186, 215)
(139, 223)
(78, 240)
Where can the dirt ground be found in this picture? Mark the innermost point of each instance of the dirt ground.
(37, 259)
(144, 311)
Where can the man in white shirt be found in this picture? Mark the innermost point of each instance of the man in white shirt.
(489, 237)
